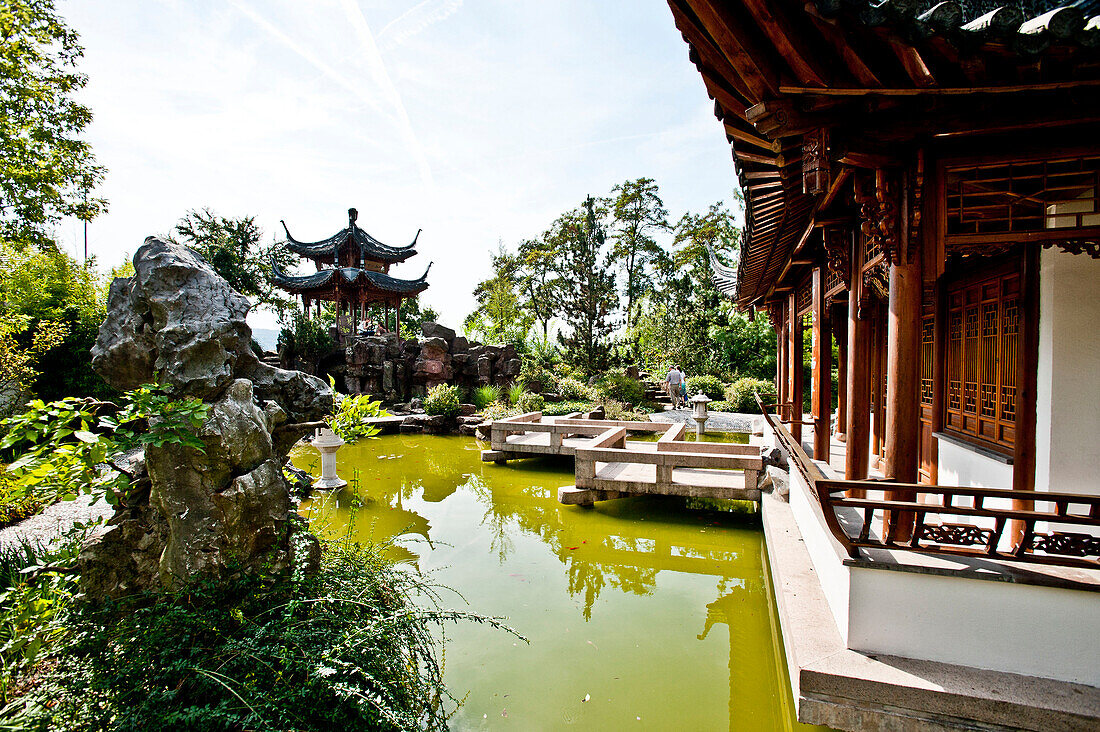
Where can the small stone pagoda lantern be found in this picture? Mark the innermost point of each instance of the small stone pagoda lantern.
(699, 412)
(327, 443)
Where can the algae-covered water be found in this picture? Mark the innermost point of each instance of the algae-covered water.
(642, 613)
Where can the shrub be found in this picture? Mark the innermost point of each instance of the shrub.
(351, 410)
(556, 409)
(709, 385)
(304, 339)
(15, 503)
(721, 405)
(485, 395)
(740, 393)
(620, 388)
(346, 648)
(496, 410)
(617, 410)
(515, 392)
(442, 399)
(574, 390)
(529, 402)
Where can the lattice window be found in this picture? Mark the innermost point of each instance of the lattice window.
(1024, 196)
(927, 340)
(832, 280)
(983, 330)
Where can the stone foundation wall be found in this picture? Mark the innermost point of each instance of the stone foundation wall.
(396, 371)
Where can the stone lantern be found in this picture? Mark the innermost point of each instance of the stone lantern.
(327, 443)
(699, 412)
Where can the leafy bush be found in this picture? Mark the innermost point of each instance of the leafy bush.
(740, 393)
(496, 410)
(721, 405)
(304, 340)
(529, 402)
(575, 390)
(346, 648)
(15, 503)
(515, 391)
(620, 388)
(709, 385)
(350, 413)
(617, 410)
(442, 399)
(555, 409)
(486, 395)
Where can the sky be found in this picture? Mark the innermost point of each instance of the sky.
(478, 121)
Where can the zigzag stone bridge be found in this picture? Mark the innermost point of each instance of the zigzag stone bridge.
(608, 465)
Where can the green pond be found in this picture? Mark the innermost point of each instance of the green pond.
(647, 613)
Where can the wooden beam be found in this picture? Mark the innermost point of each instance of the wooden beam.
(786, 40)
(739, 134)
(834, 189)
(836, 38)
(913, 63)
(738, 48)
(838, 91)
(749, 157)
(821, 397)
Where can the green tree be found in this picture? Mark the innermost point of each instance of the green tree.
(499, 318)
(539, 282)
(638, 213)
(46, 170)
(233, 249)
(588, 296)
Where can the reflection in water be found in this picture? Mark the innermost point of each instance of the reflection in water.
(612, 598)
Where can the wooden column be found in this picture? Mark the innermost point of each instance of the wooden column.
(859, 381)
(784, 370)
(822, 397)
(794, 347)
(840, 331)
(1027, 360)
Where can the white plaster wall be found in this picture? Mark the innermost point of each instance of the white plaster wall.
(1023, 629)
(963, 467)
(1067, 415)
(822, 547)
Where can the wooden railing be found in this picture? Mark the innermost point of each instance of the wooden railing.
(1056, 529)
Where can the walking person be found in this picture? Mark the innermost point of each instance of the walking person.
(672, 383)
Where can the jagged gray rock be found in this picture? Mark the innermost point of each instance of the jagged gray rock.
(224, 509)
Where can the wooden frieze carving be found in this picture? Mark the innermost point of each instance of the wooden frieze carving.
(886, 194)
(837, 253)
(1077, 246)
(863, 188)
(916, 193)
(815, 162)
(875, 285)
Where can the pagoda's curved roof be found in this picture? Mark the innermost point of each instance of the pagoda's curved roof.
(351, 235)
(725, 278)
(349, 278)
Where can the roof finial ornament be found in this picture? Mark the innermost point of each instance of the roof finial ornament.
(352, 216)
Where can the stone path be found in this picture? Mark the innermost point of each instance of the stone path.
(717, 421)
(54, 521)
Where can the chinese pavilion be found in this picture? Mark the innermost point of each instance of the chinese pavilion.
(352, 272)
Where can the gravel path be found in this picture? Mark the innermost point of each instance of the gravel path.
(54, 521)
(717, 421)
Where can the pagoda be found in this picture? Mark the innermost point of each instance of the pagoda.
(352, 272)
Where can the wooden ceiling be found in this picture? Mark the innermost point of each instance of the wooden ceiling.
(882, 78)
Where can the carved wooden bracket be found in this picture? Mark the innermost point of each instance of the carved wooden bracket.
(775, 315)
(868, 212)
(838, 253)
(1077, 246)
(815, 162)
(876, 286)
(886, 194)
(916, 194)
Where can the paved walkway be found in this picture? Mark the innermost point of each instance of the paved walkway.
(717, 421)
(55, 520)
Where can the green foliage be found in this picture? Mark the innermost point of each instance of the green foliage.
(588, 298)
(485, 395)
(499, 317)
(555, 409)
(575, 390)
(232, 247)
(35, 595)
(413, 316)
(304, 341)
(539, 282)
(73, 446)
(712, 386)
(618, 411)
(19, 362)
(16, 504)
(620, 388)
(528, 402)
(721, 405)
(46, 170)
(740, 394)
(350, 411)
(442, 399)
(346, 648)
(498, 410)
(515, 391)
(638, 211)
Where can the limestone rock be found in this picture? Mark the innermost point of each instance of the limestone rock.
(435, 330)
(459, 345)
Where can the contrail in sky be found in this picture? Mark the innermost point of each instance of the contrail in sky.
(393, 107)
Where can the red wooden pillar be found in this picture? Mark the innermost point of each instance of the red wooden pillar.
(821, 398)
(782, 364)
(903, 391)
(1023, 459)
(794, 347)
(840, 331)
(859, 380)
